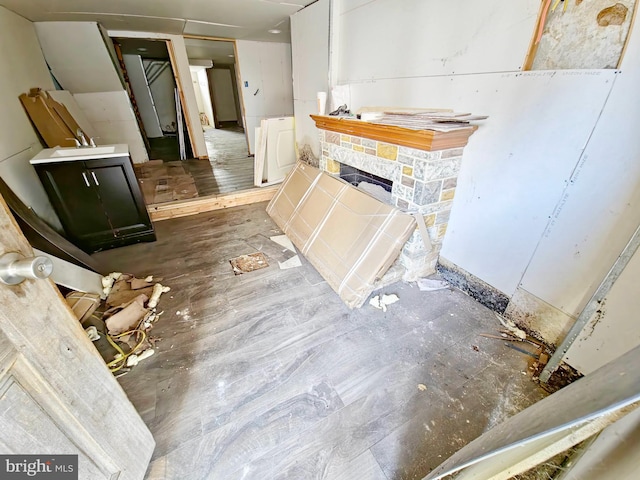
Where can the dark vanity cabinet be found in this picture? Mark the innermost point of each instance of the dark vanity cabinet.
(98, 201)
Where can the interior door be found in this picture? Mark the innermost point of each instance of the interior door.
(281, 153)
(56, 394)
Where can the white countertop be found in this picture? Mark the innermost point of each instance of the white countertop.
(73, 154)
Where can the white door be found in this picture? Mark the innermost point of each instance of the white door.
(56, 394)
(281, 150)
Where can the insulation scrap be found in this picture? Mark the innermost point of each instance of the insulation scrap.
(121, 325)
(509, 325)
(381, 302)
(158, 289)
(109, 280)
(92, 333)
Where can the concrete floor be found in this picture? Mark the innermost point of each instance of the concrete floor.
(267, 375)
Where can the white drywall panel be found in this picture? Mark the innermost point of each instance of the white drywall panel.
(266, 84)
(408, 38)
(600, 208)
(142, 94)
(23, 67)
(516, 165)
(203, 85)
(223, 94)
(164, 98)
(196, 89)
(614, 329)
(181, 70)
(78, 56)
(112, 118)
(310, 61)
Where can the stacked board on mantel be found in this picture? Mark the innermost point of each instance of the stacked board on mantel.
(420, 119)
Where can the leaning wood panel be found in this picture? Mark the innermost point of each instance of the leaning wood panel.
(421, 139)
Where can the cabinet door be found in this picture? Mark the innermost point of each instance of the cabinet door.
(120, 195)
(76, 201)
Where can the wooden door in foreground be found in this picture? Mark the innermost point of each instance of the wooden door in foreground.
(56, 394)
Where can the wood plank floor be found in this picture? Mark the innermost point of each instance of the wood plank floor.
(229, 169)
(267, 375)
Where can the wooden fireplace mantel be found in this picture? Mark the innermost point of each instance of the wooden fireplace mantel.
(429, 140)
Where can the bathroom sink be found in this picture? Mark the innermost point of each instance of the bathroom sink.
(70, 154)
(78, 152)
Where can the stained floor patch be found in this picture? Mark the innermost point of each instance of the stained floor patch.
(248, 263)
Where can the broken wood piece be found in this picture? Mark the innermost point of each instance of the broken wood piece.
(513, 329)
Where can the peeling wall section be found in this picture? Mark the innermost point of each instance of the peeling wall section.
(587, 34)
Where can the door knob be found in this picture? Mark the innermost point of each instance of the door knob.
(14, 269)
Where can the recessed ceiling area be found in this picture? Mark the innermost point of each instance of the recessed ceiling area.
(221, 52)
(145, 48)
(237, 19)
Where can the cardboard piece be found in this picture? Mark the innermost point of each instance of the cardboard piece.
(83, 304)
(52, 119)
(348, 236)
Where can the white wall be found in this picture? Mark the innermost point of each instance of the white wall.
(78, 55)
(223, 94)
(144, 100)
(599, 215)
(23, 67)
(310, 56)
(517, 166)
(266, 69)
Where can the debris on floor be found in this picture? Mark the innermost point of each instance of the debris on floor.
(509, 325)
(431, 284)
(119, 326)
(248, 263)
(162, 181)
(291, 262)
(381, 302)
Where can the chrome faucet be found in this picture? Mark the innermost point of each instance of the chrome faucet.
(82, 138)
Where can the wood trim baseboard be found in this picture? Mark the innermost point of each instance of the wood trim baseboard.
(429, 140)
(165, 211)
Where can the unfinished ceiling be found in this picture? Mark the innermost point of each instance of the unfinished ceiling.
(239, 19)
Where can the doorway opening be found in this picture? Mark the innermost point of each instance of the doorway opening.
(146, 67)
(173, 173)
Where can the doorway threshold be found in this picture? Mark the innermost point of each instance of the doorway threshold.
(184, 208)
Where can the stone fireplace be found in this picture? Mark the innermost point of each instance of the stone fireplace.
(423, 167)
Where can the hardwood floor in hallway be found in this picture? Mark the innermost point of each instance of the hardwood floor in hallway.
(267, 375)
(166, 178)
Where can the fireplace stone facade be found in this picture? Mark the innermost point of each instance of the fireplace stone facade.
(424, 183)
